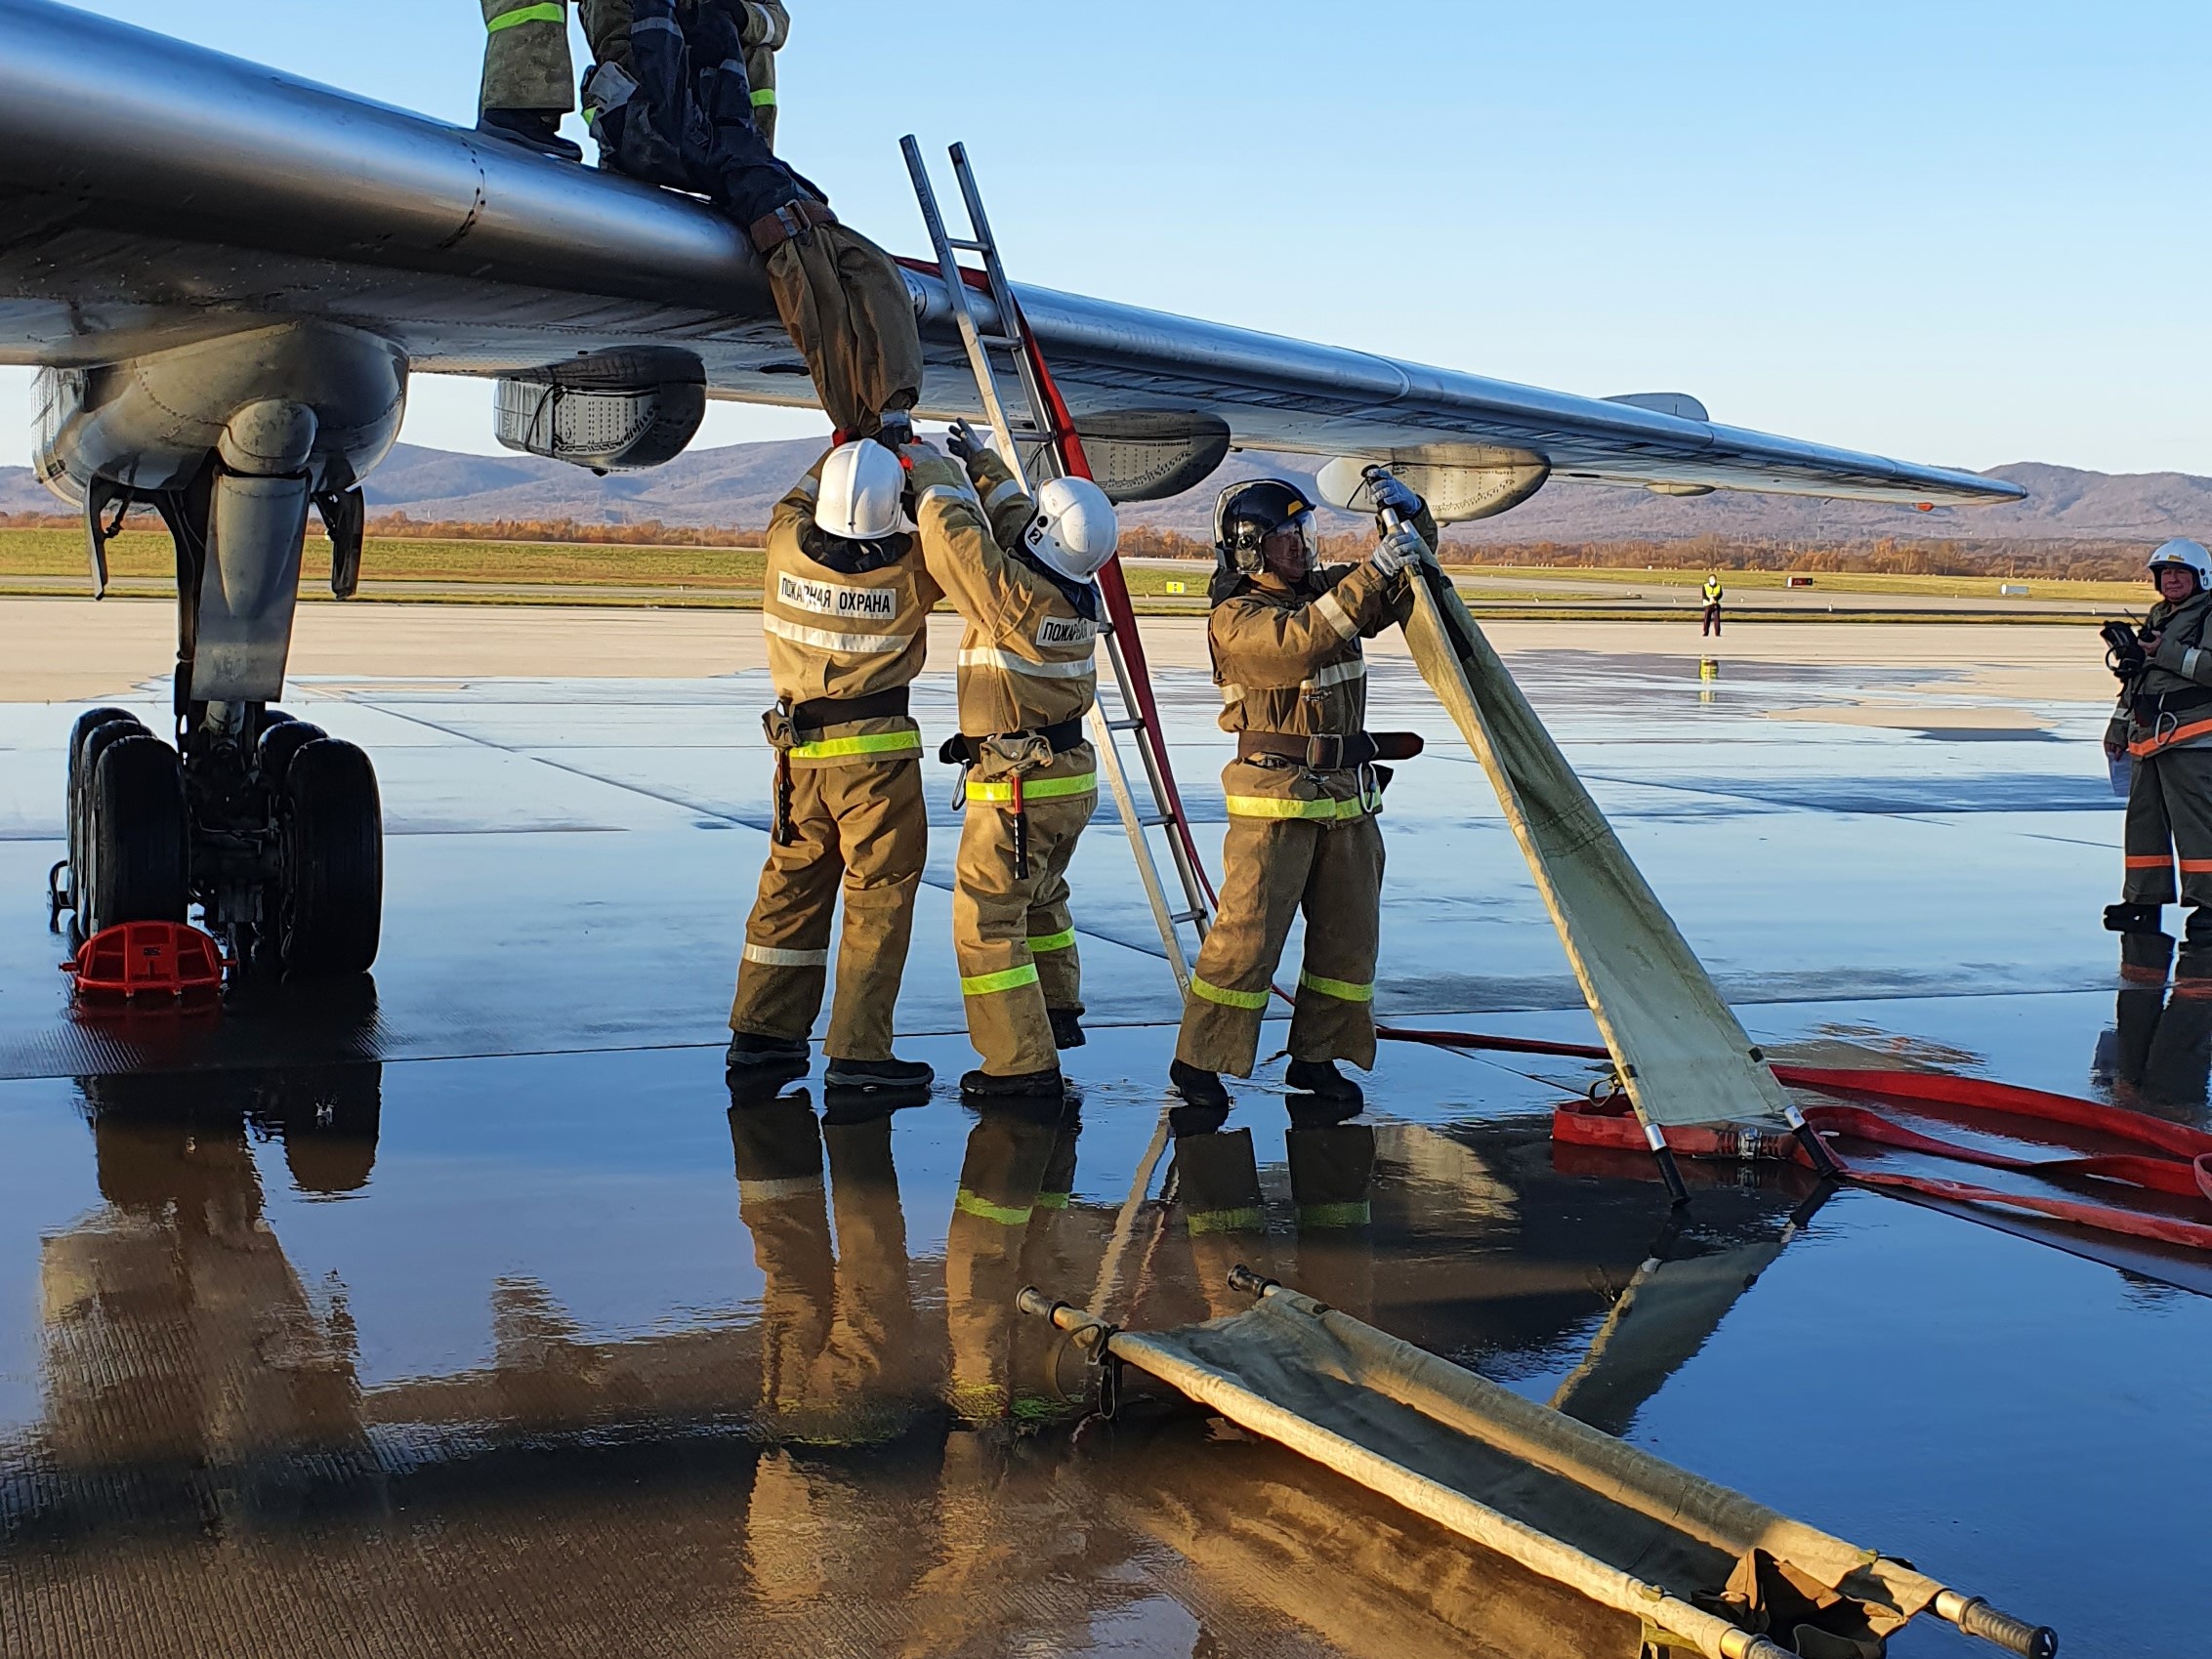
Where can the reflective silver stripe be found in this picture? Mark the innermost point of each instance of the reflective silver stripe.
(948, 491)
(1356, 669)
(778, 1191)
(826, 640)
(657, 26)
(768, 956)
(1005, 491)
(990, 656)
(2189, 662)
(809, 486)
(1336, 616)
(1232, 693)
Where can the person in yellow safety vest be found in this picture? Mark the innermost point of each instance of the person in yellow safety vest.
(844, 608)
(1714, 594)
(1019, 573)
(1303, 792)
(2164, 723)
(530, 79)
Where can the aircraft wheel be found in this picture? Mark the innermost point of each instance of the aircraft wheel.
(80, 770)
(333, 861)
(272, 755)
(137, 867)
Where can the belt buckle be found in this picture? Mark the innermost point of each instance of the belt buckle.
(1326, 753)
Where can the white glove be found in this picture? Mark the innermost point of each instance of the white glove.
(1403, 545)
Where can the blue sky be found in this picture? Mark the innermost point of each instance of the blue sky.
(1957, 232)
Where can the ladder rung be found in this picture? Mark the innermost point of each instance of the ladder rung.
(1131, 725)
(1002, 342)
(965, 246)
(1185, 916)
(1159, 820)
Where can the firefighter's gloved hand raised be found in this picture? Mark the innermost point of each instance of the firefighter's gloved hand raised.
(926, 469)
(1392, 495)
(1401, 547)
(965, 442)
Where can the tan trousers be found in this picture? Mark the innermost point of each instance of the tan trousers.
(1014, 937)
(846, 307)
(862, 827)
(1272, 870)
(526, 61)
(2169, 818)
(1000, 1180)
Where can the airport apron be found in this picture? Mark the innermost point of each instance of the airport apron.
(1026, 680)
(1300, 840)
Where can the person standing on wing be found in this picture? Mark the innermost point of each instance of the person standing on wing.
(1019, 572)
(1303, 792)
(844, 608)
(2164, 721)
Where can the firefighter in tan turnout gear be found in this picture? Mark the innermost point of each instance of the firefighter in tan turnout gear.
(844, 608)
(1303, 792)
(2164, 723)
(1019, 573)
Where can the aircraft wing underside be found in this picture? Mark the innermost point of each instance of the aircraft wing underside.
(153, 194)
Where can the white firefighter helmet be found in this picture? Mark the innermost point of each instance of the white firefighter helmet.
(863, 484)
(2188, 555)
(1075, 530)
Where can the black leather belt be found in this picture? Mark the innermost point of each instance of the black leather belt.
(844, 711)
(1331, 752)
(2147, 709)
(966, 751)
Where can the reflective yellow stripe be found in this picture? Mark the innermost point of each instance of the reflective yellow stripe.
(1205, 1221)
(870, 743)
(1036, 789)
(1346, 1215)
(1341, 989)
(987, 984)
(1053, 941)
(984, 1210)
(1276, 807)
(548, 12)
(1227, 998)
(1055, 1200)
(765, 99)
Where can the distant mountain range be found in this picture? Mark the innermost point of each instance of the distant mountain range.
(736, 487)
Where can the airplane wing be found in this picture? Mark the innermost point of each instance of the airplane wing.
(154, 194)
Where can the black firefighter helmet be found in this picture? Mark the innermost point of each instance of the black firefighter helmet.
(1248, 513)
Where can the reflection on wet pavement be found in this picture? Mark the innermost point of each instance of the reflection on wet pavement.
(465, 1313)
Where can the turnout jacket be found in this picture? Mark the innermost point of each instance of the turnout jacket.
(1291, 662)
(843, 620)
(1028, 657)
(2169, 704)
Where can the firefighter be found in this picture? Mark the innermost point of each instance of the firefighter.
(1019, 572)
(1714, 594)
(844, 608)
(680, 109)
(2164, 722)
(1303, 792)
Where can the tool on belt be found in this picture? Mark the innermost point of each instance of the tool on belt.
(1330, 752)
(2124, 654)
(792, 725)
(1012, 756)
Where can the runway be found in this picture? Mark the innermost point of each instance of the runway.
(459, 1315)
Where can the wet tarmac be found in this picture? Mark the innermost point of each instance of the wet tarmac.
(460, 1313)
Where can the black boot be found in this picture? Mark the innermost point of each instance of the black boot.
(752, 1054)
(2131, 918)
(1201, 1089)
(1320, 1077)
(1046, 1084)
(879, 1074)
(533, 129)
(1066, 1027)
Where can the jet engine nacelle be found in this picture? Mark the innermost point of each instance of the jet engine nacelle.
(612, 411)
(300, 400)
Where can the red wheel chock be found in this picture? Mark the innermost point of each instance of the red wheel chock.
(148, 959)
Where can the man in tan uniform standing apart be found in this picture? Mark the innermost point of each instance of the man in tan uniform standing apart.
(844, 608)
(1303, 792)
(1019, 573)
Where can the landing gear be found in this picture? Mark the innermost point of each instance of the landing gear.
(270, 826)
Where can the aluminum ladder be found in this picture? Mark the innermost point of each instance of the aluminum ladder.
(1053, 451)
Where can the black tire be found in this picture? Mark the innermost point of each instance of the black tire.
(90, 721)
(272, 755)
(98, 741)
(140, 870)
(333, 862)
